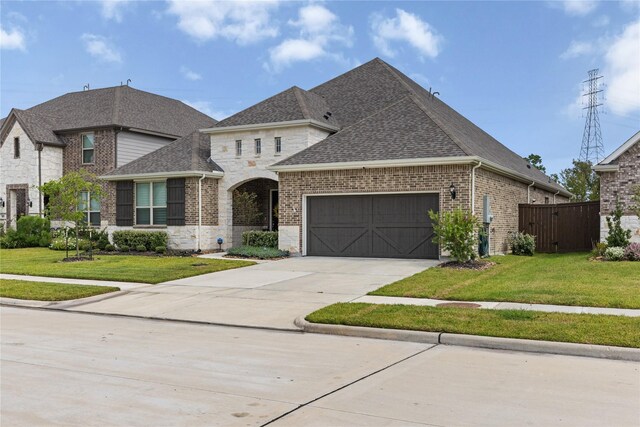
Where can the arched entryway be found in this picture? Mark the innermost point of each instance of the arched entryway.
(254, 207)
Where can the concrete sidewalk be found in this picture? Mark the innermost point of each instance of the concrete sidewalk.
(124, 286)
(374, 299)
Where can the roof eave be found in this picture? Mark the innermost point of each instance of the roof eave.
(272, 125)
(606, 168)
(152, 175)
(620, 150)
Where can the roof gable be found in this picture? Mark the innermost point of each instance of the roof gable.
(611, 159)
(37, 128)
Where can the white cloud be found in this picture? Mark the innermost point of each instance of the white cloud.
(207, 108)
(630, 5)
(578, 7)
(112, 9)
(189, 74)
(577, 49)
(101, 48)
(622, 71)
(241, 21)
(319, 34)
(13, 39)
(405, 27)
(601, 21)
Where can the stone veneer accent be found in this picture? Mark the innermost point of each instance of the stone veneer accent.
(505, 195)
(295, 185)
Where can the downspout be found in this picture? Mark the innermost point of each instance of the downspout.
(199, 211)
(40, 147)
(473, 188)
(554, 197)
(529, 192)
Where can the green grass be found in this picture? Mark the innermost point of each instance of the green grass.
(22, 289)
(576, 328)
(122, 268)
(563, 279)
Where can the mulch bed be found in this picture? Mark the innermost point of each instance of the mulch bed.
(76, 259)
(477, 265)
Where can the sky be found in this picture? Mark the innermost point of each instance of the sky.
(515, 68)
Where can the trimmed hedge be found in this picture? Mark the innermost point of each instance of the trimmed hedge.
(262, 239)
(132, 239)
(257, 252)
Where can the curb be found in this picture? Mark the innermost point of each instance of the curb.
(495, 343)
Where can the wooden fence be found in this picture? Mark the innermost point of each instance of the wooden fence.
(567, 227)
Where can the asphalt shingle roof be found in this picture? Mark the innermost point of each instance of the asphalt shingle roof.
(291, 104)
(190, 153)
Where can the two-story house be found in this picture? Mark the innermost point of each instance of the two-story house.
(97, 130)
(348, 168)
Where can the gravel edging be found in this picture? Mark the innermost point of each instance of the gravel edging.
(496, 343)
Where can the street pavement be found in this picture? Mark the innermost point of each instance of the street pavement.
(65, 368)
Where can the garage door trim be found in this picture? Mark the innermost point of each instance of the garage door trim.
(306, 196)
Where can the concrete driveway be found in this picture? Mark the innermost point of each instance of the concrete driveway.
(270, 294)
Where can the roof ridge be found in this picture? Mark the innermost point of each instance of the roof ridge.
(416, 99)
(301, 102)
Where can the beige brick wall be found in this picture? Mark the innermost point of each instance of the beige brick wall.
(619, 185)
(294, 185)
(505, 194)
(209, 201)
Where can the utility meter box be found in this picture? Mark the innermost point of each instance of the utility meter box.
(486, 209)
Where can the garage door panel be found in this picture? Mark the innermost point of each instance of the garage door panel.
(385, 226)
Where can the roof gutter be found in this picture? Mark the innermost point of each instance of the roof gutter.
(274, 125)
(606, 168)
(179, 174)
(429, 161)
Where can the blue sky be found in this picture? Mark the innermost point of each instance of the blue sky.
(513, 68)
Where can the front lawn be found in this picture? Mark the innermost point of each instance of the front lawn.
(22, 289)
(563, 279)
(122, 268)
(576, 328)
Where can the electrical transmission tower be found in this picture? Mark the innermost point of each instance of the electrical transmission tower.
(592, 149)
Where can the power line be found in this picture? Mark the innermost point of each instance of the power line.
(592, 149)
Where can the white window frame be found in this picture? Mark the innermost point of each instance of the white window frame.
(151, 206)
(238, 147)
(258, 146)
(93, 148)
(278, 144)
(88, 210)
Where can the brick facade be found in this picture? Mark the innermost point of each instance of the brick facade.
(104, 155)
(620, 185)
(209, 201)
(505, 195)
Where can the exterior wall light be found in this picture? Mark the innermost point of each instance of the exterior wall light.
(30, 203)
(452, 191)
(1, 202)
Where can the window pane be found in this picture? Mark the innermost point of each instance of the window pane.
(95, 219)
(159, 194)
(143, 216)
(95, 204)
(142, 194)
(87, 156)
(87, 140)
(160, 216)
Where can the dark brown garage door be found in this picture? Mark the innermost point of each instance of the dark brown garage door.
(381, 226)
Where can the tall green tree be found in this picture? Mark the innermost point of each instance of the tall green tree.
(65, 202)
(536, 162)
(582, 181)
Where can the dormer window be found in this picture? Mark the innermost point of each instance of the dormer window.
(239, 147)
(16, 147)
(87, 148)
(278, 143)
(258, 146)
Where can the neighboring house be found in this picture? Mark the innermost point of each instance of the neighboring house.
(619, 176)
(348, 168)
(96, 130)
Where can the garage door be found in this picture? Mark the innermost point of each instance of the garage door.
(382, 226)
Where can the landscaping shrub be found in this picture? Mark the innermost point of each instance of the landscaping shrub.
(632, 252)
(456, 233)
(161, 249)
(522, 244)
(124, 248)
(58, 244)
(264, 239)
(30, 232)
(141, 248)
(618, 236)
(109, 248)
(149, 239)
(599, 249)
(257, 252)
(614, 253)
(100, 239)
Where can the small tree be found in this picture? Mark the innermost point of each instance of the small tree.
(245, 208)
(456, 232)
(64, 198)
(618, 236)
